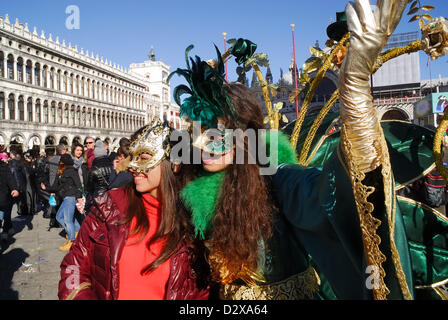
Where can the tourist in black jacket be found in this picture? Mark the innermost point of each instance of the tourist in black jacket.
(99, 174)
(18, 171)
(68, 187)
(8, 191)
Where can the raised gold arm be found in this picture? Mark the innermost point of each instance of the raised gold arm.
(369, 34)
(362, 139)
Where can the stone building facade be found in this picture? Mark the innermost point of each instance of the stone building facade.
(51, 92)
(157, 97)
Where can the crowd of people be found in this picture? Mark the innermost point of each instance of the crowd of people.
(159, 228)
(60, 182)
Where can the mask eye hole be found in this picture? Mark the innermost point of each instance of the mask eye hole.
(145, 157)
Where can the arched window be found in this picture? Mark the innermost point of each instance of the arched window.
(65, 81)
(28, 71)
(84, 115)
(66, 114)
(2, 63)
(82, 86)
(29, 109)
(10, 67)
(2, 106)
(20, 69)
(73, 115)
(58, 80)
(21, 105)
(72, 79)
(88, 88)
(77, 85)
(53, 112)
(12, 111)
(37, 111)
(37, 81)
(78, 116)
(89, 118)
(60, 115)
(45, 112)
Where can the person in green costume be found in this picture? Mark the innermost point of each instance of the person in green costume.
(330, 232)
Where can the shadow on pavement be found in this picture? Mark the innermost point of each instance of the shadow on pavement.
(20, 222)
(10, 263)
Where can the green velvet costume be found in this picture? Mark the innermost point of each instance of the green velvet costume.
(421, 232)
(318, 224)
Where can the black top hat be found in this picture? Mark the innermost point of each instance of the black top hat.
(338, 29)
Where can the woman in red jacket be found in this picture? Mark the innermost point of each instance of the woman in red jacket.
(136, 243)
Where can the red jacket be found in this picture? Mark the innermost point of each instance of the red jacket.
(90, 270)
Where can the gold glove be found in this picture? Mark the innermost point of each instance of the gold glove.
(369, 33)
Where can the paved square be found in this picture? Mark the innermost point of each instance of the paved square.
(29, 268)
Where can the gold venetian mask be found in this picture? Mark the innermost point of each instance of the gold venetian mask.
(154, 141)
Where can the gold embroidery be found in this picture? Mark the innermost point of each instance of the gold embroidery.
(297, 287)
(368, 223)
(225, 271)
(389, 193)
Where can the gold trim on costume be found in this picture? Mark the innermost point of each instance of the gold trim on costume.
(297, 287)
(75, 292)
(321, 141)
(437, 146)
(389, 191)
(424, 173)
(368, 223)
(443, 293)
(316, 124)
(424, 206)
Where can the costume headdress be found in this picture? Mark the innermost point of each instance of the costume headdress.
(154, 140)
(207, 102)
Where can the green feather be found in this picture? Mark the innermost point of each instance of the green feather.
(285, 153)
(200, 197)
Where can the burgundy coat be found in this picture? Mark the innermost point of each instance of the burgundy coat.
(90, 270)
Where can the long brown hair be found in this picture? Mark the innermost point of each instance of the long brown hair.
(244, 211)
(174, 228)
(61, 168)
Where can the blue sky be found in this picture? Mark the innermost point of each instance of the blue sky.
(124, 31)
